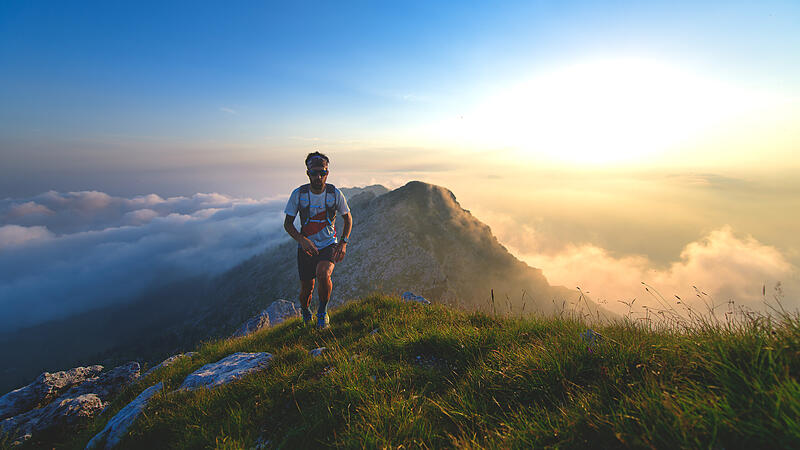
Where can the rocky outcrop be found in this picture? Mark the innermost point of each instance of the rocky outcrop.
(410, 297)
(64, 411)
(254, 324)
(168, 362)
(45, 388)
(118, 426)
(230, 368)
(74, 405)
(277, 312)
(281, 310)
(108, 384)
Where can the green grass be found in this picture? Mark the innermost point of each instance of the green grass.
(433, 377)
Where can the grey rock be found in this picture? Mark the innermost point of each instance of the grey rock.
(107, 384)
(46, 387)
(410, 297)
(254, 324)
(281, 310)
(169, 361)
(318, 351)
(227, 369)
(116, 428)
(61, 412)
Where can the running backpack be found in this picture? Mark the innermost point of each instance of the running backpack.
(311, 225)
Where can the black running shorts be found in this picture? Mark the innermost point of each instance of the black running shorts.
(307, 265)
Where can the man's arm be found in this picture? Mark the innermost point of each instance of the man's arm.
(347, 220)
(305, 243)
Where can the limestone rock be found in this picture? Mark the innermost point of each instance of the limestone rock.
(169, 361)
(107, 384)
(281, 310)
(227, 369)
(116, 428)
(254, 324)
(410, 297)
(61, 412)
(46, 387)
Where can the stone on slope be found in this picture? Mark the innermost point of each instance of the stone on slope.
(46, 387)
(254, 324)
(116, 428)
(168, 362)
(107, 384)
(227, 369)
(410, 297)
(281, 310)
(61, 412)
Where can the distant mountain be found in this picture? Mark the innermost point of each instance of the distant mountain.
(415, 238)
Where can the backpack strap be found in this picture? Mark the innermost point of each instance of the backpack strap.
(305, 211)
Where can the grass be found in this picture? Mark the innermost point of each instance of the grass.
(413, 376)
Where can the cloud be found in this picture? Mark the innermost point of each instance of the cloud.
(228, 110)
(70, 252)
(723, 265)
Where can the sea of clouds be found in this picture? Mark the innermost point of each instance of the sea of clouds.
(725, 271)
(65, 253)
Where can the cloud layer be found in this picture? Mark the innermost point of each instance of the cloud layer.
(723, 266)
(63, 253)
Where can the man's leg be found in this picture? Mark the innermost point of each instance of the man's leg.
(306, 288)
(324, 271)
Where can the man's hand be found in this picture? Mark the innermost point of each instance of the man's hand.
(308, 246)
(338, 254)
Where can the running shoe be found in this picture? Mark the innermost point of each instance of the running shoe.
(308, 320)
(323, 321)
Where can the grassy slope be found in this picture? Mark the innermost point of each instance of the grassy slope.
(436, 377)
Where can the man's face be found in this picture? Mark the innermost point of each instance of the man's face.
(315, 174)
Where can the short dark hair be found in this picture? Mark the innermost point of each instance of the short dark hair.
(316, 155)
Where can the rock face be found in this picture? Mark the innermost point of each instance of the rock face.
(77, 404)
(276, 313)
(116, 428)
(254, 324)
(281, 310)
(46, 387)
(61, 412)
(228, 369)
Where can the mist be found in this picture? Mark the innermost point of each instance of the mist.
(65, 253)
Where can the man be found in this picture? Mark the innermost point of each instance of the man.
(319, 248)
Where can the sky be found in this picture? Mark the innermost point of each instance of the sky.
(608, 143)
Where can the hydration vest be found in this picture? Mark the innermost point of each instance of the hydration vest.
(305, 211)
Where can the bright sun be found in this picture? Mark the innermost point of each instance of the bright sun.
(603, 112)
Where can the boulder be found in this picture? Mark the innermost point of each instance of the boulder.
(45, 388)
(63, 411)
(169, 361)
(281, 310)
(116, 428)
(410, 297)
(107, 384)
(254, 324)
(227, 369)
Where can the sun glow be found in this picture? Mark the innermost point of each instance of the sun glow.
(613, 111)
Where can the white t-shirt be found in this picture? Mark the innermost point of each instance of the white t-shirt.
(317, 229)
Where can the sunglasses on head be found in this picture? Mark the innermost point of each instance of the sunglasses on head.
(317, 172)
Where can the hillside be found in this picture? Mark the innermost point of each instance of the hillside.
(405, 374)
(415, 238)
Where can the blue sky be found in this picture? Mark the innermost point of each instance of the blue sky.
(86, 84)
